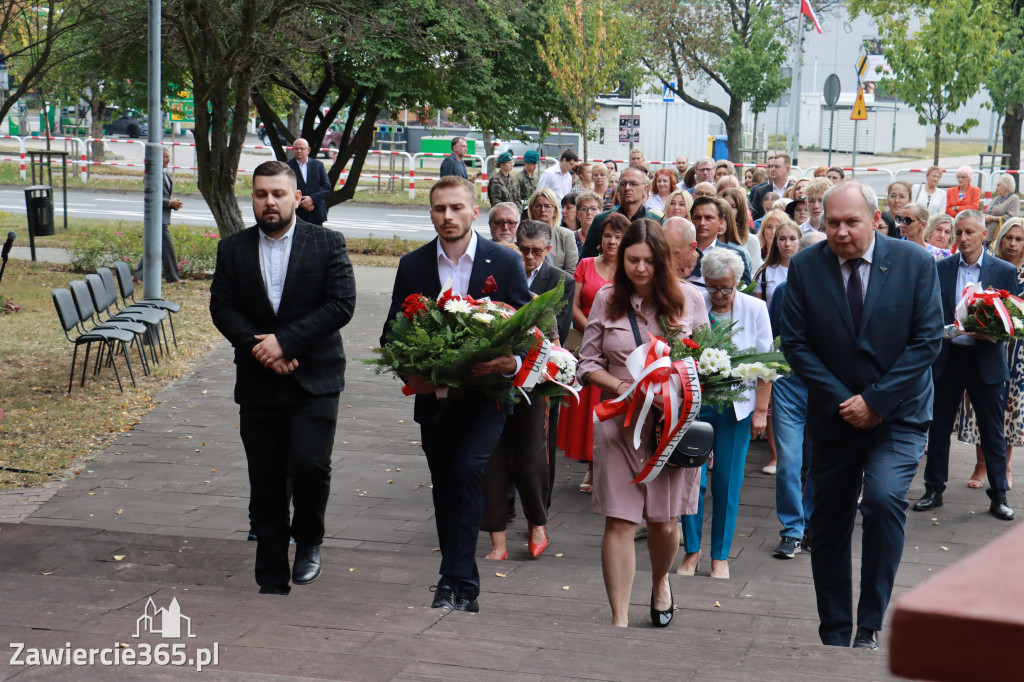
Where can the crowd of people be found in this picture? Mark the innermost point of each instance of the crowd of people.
(860, 298)
(730, 241)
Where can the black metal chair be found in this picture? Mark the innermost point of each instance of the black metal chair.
(89, 321)
(127, 287)
(104, 299)
(64, 302)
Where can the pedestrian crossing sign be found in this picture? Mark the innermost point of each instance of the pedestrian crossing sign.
(860, 109)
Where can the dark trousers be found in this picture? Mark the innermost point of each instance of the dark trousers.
(522, 456)
(988, 402)
(553, 411)
(288, 443)
(168, 259)
(886, 459)
(458, 439)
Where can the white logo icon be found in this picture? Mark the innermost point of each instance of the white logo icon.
(164, 622)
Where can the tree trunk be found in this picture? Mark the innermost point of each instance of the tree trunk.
(295, 117)
(1011, 135)
(219, 140)
(734, 127)
(586, 142)
(98, 108)
(938, 135)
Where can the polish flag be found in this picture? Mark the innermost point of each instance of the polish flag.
(808, 11)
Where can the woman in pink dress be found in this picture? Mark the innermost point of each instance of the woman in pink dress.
(576, 421)
(645, 283)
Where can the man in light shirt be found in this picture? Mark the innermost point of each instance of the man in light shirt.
(312, 182)
(813, 193)
(281, 292)
(558, 178)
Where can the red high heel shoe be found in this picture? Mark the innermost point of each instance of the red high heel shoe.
(537, 548)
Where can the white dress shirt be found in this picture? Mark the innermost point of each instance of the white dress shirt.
(966, 275)
(532, 276)
(458, 271)
(302, 169)
(864, 269)
(274, 255)
(555, 180)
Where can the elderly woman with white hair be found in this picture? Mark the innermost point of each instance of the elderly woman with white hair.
(734, 424)
(964, 195)
(1005, 204)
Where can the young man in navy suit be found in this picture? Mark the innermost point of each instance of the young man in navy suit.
(861, 326)
(971, 363)
(281, 292)
(459, 432)
(312, 181)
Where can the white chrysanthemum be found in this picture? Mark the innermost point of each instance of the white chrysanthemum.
(1018, 324)
(486, 318)
(457, 305)
(714, 361)
(566, 364)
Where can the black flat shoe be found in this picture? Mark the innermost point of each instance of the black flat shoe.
(444, 597)
(928, 502)
(661, 619)
(866, 639)
(307, 564)
(464, 604)
(1001, 510)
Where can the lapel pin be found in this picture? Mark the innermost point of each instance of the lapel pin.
(487, 260)
(884, 269)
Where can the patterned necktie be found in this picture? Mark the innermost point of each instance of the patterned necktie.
(855, 292)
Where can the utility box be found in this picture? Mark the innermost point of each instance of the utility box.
(39, 202)
(719, 147)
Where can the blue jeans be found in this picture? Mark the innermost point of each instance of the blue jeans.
(731, 441)
(789, 418)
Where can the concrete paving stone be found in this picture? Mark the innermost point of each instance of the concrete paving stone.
(461, 672)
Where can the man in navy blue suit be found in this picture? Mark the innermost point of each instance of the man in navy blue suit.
(861, 326)
(313, 183)
(971, 363)
(459, 432)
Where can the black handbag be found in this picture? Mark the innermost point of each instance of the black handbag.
(694, 448)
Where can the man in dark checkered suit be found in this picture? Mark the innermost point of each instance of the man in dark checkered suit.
(281, 292)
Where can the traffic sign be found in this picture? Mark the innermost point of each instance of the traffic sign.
(860, 108)
(862, 65)
(669, 94)
(832, 90)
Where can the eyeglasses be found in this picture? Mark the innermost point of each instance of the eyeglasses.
(907, 220)
(505, 223)
(543, 207)
(528, 251)
(627, 183)
(724, 291)
(589, 209)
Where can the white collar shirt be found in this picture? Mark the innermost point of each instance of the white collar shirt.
(302, 169)
(864, 269)
(458, 271)
(966, 275)
(533, 275)
(274, 255)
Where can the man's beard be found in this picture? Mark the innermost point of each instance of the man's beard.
(457, 237)
(270, 226)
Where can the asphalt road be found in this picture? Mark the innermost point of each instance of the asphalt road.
(355, 220)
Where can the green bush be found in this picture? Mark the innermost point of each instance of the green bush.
(93, 249)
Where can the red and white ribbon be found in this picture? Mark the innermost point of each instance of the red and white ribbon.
(654, 374)
(975, 293)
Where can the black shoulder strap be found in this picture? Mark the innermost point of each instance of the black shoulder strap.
(636, 328)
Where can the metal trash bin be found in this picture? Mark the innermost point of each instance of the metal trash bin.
(39, 202)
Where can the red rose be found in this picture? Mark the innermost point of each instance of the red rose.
(413, 304)
(690, 343)
(1003, 293)
(490, 286)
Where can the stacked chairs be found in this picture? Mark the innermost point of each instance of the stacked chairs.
(127, 287)
(104, 298)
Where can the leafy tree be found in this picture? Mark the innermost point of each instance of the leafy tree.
(584, 47)
(721, 44)
(29, 34)
(940, 65)
(1005, 82)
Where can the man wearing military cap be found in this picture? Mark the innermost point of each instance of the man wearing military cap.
(502, 187)
(526, 179)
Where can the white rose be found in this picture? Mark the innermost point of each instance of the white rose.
(486, 318)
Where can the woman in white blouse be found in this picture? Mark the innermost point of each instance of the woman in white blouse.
(929, 195)
(776, 266)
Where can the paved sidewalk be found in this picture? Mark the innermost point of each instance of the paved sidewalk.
(162, 514)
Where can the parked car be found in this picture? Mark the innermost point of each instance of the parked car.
(117, 121)
(518, 148)
(332, 140)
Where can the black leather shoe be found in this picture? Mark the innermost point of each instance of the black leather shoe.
(866, 639)
(307, 564)
(275, 589)
(1001, 510)
(252, 536)
(444, 597)
(661, 619)
(466, 604)
(930, 501)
